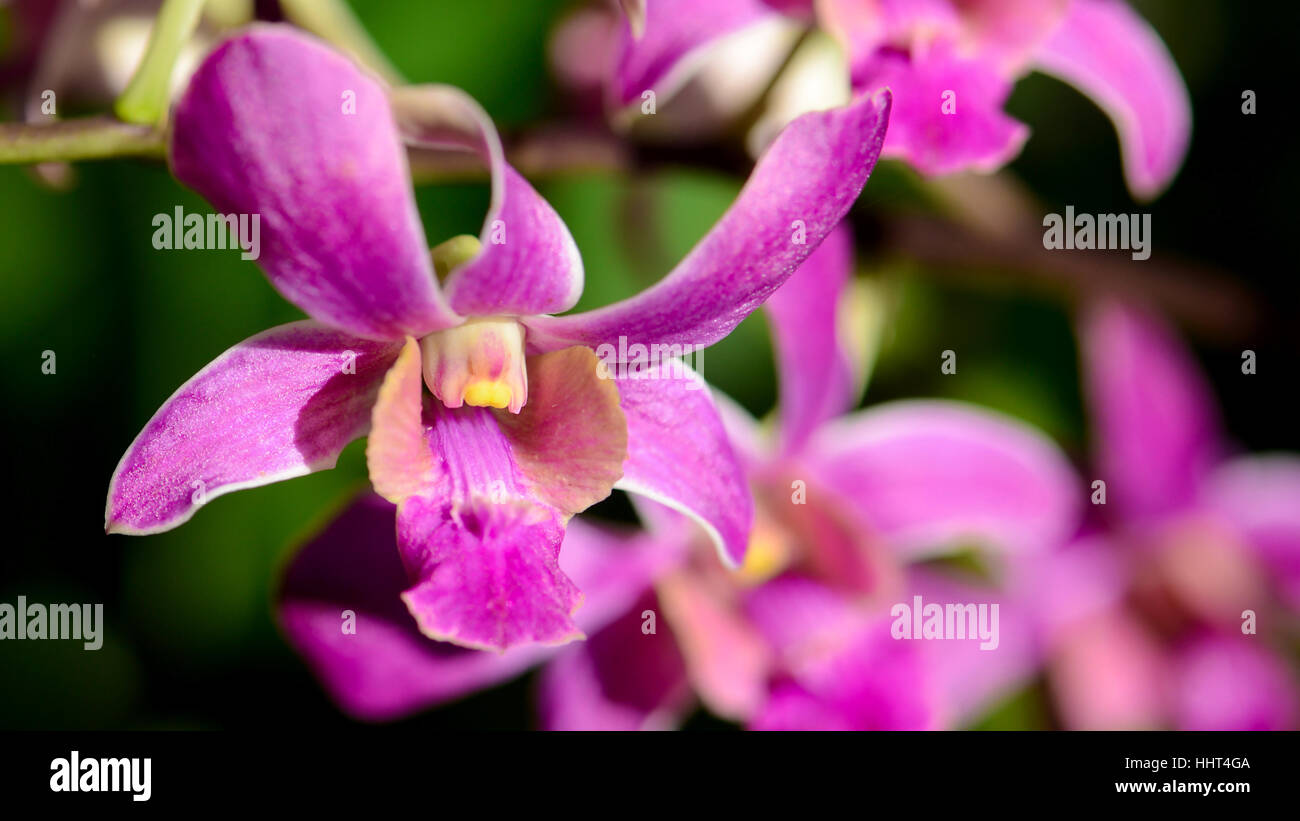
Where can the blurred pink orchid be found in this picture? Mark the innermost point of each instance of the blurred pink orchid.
(1155, 632)
(951, 65)
(799, 636)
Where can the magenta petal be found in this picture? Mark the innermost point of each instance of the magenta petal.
(280, 404)
(569, 442)
(799, 191)
(529, 263)
(482, 508)
(802, 619)
(815, 372)
(947, 110)
(385, 668)
(1070, 585)
(1011, 31)
(621, 678)
(635, 11)
(798, 9)
(489, 576)
(749, 440)
(265, 129)
(678, 454)
(1234, 683)
(809, 625)
(929, 474)
(613, 567)
(379, 667)
(792, 707)
(1260, 495)
(1111, 674)
(727, 661)
(484, 553)
(1104, 49)
(659, 57)
(1155, 428)
(966, 678)
(876, 683)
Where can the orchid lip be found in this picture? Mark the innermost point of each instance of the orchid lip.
(479, 363)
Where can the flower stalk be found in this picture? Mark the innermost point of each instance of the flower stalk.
(145, 99)
(90, 138)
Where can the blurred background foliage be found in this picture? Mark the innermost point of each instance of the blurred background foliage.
(190, 639)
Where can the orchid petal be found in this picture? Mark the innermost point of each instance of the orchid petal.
(834, 543)
(1155, 426)
(1232, 683)
(798, 9)
(1111, 674)
(571, 439)
(529, 263)
(1261, 496)
(816, 372)
(484, 552)
(799, 191)
(678, 454)
(280, 404)
(488, 576)
(552, 459)
(1069, 585)
(947, 113)
(276, 126)
(664, 54)
(803, 620)
(876, 683)
(622, 678)
(397, 457)
(726, 659)
(749, 440)
(973, 674)
(1205, 569)
(483, 537)
(1011, 31)
(1108, 52)
(635, 11)
(381, 667)
(340, 607)
(927, 474)
(863, 26)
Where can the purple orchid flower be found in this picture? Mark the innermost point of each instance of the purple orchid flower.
(951, 65)
(799, 635)
(1186, 543)
(522, 429)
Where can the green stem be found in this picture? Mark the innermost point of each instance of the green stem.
(146, 96)
(91, 138)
